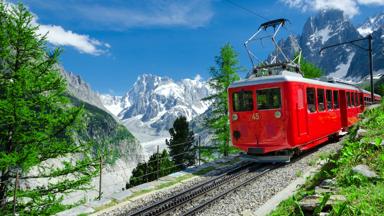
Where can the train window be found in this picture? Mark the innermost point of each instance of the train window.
(242, 101)
(320, 99)
(329, 99)
(348, 95)
(353, 98)
(311, 98)
(357, 99)
(335, 100)
(268, 98)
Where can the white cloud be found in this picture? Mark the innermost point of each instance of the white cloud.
(349, 7)
(58, 36)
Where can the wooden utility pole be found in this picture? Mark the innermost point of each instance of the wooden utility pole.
(158, 162)
(198, 148)
(371, 66)
(14, 192)
(100, 175)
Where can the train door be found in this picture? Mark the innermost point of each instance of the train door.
(343, 109)
(243, 118)
(301, 112)
(272, 123)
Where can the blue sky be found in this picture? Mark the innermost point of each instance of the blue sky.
(110, 43)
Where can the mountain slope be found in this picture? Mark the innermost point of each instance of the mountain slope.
(359, 65)
(120, 149)
(330, 27)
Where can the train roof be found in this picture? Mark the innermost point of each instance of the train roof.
(287, 76)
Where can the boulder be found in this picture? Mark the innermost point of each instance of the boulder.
(360, 133)
(323, 190)
(309, 203)
(374, 144)
(328, 183)
(365, 171)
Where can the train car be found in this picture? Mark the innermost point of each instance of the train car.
(277, 112)
(283, 113)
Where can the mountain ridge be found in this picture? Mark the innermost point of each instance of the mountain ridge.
(330, 27)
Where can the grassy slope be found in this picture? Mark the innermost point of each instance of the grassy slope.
(364, 196)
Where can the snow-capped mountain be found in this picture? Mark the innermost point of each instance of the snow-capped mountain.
(114, 104)
(150, 107)
(331, 27)
(359, 65)
(371, 24)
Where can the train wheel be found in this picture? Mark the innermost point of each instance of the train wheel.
(334, 137)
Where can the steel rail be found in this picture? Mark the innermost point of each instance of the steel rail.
(200, 207)
(269, 168)
(182, 197)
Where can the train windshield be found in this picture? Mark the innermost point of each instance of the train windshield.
(242, 101)
(268, 99)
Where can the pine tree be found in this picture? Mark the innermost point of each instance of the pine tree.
(37, 121)
(181, 143)
(223, 74)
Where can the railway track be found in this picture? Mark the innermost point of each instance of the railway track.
(178, 201)
(219, 186)
(261, 171)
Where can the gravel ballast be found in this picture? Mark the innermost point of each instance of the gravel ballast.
(246, 199)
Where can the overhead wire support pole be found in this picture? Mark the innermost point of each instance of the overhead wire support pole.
(369, 38)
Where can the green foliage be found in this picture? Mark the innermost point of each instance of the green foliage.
(364, 196)
(37, 121)
(223, 74)
(310, 70)
(109, 138)
(158, 165)
(379, 89)
(181, 143)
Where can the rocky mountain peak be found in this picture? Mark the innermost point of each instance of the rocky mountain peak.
(327, 27)
(80, 89)
(371, 24)
(155, 101)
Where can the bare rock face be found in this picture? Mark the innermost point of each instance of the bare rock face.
(365, 171)
(330, 27)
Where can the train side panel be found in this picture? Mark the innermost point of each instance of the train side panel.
(316, 120)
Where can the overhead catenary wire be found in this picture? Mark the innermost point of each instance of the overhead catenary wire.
(254, 13)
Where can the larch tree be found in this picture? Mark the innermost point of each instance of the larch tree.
(38, 123)
(309, 69)
(223, 74)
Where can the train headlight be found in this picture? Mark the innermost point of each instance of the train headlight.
(235, 117)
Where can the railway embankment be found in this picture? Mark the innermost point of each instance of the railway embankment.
(350, 182)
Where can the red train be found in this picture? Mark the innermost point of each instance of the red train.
(279, 114)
